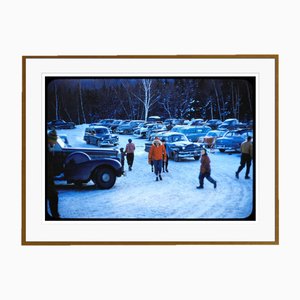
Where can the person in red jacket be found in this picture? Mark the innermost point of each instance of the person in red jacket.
(205, 170)
(156, 155)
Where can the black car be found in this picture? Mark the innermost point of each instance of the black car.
(214, 123)
(60, 124)
(231, 124)
(129, 128)
(178, 146)
(100, 136)
(80, 165)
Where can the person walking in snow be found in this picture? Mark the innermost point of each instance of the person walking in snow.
(51, 192)
(165, 162)
(129, 151)
(205, 170)
(156, 154)
(246, 157)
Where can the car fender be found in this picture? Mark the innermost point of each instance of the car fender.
(84, 171)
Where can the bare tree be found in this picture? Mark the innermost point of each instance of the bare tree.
(57, 117)
(81, 103)
(148, 97)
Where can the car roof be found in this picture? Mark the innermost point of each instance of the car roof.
(97, 127)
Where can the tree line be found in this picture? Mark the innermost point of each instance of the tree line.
(86, 100)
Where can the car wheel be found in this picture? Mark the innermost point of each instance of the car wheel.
(98, 143)
(222, 150)
(104, 178)
(88, 141)
(176, 157)
(196, 157)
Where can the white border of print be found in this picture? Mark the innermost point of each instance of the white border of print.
(36, 230)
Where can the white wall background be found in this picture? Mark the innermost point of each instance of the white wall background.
(152, 27)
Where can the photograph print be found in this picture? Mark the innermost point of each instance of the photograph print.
(150, 148)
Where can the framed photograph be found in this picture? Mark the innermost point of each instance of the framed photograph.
(150, 150)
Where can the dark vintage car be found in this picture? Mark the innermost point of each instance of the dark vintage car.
(129, 128)
(115, 124)
(232, 140)
(80, 165)
(60, 124)
(193, 133)
(178, 146)
(100, 136)
(231, 124)
(213, 123)
(106, 122)
(196, 122)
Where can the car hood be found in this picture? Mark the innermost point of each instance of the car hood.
(181, 144)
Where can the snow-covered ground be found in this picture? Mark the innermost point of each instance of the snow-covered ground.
(138, 196)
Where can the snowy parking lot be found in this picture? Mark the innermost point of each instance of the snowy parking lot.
(138, 196)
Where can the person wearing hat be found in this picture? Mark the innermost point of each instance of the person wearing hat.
(156, 155)
(51, 192)
(129, 151)
(205, 170)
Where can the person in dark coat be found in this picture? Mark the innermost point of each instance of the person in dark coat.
(123, 154)
(205, 170)
(51, 192)
(246, 157)
(130, 148)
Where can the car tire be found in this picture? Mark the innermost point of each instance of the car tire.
(222, 150)
(98, 143)
(176, 157)
(196, 157)
(104, 178)
(88, 141)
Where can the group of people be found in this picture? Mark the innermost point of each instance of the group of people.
(158, 159)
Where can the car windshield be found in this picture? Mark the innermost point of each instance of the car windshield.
(101, 130)
(178, 138)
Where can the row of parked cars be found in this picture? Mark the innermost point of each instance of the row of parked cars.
(102, 166)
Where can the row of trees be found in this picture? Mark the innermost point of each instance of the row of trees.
(85, 100)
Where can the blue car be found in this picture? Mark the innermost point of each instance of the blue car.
(193, 133)
(232, 140)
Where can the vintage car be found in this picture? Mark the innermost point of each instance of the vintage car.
(193, 133)
(60, 124)
(232, 140)
(196, 122)
(116, 123)
(141, 130)
(177, 146)
(106, 122)
(129, 128)
(100, 136)
(213, 123)
(231, 124)
(155, 129)
(80, 165)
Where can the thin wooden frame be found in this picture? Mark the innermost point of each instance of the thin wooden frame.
(274, 57)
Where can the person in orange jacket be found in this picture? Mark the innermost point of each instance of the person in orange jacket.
(156, 155)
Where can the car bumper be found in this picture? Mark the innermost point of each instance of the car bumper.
(225, 147)
(186, 154)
